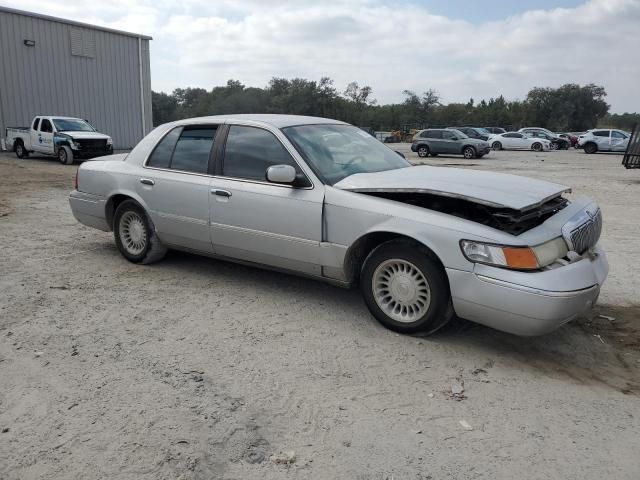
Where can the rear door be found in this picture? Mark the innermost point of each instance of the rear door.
(258, 221)
(175, 186)
(602, 139)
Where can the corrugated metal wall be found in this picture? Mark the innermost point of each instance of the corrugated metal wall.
(47, 79)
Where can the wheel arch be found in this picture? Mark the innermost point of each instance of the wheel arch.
(115, 199)
(359, 250)
(466, 145)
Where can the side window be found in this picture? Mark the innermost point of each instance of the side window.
(193, 149)
(447, 135)
(250, 151)
(601, 133)
(45, 126)
(425, 134)
(35, 123)
(161, 155)
(434, 134)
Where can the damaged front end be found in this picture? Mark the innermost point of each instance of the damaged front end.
(514, 222)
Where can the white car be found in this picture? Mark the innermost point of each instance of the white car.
(604, 140)
(518, 141)
(538, 129)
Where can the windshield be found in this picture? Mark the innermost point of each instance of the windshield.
(484, 131)
(336, 151)
(72, 125)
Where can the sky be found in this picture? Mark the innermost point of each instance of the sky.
(462, 49)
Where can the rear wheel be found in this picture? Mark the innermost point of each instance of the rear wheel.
(135, 234)
(423, 151)
(405, 288)
(496, 146)
(21, 152)
(536, 147)
(468, 153)
(65, 155)
(590, 148)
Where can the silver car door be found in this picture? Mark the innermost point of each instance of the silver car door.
(174, 183)
(618, 141)
(262, 222)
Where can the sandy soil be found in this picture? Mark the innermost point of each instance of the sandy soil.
(199, 369)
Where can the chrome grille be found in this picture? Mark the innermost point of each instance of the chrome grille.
(584, 232)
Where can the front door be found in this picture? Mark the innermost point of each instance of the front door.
(618, 141)
(43, 141)
(174, 184)
(258, 221)
(450, 143)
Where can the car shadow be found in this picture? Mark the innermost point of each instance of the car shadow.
(600, 349)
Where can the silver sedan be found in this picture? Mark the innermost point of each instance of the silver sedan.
(324, 199)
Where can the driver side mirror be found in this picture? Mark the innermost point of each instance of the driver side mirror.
(453, 138)
(281, 174)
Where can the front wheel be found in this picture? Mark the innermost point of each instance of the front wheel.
(590, 148)
(553, 146)
(496, 146)
(65, 155)
(468, 153)
(536, 147)
(405, 288)
(135, 234)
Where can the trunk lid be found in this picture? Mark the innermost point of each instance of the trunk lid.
(493, 189)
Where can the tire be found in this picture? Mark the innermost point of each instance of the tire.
(395, 265)
(65, 155)
(469, 153)
(553, 146)
(536, 147)
(423, 151)
(590, 147)
(496, 146)
(21, 152)
(142, 245)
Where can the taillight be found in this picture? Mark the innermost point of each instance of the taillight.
(75, 179)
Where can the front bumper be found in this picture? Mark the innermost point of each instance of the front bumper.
(528, 303)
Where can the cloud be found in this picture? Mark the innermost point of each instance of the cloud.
(389, 47)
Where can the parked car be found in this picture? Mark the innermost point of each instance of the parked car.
(557, 143)
(434, 141)
(473, 132)
(321, 198)
(572, 139)
(67, 138)
(495, 130)
(537, 129)
(518, 141)
(604, 140)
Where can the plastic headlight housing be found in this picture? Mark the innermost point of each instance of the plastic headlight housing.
(109, 141)
(75, 145)
(517, 258)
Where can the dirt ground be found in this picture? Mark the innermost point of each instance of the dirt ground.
(198, 369)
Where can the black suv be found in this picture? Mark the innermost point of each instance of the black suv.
(473, 132)
(434, 141)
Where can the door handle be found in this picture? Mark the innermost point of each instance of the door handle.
(147, 181)
(220, 193)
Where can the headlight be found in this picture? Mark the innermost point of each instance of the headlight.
(75, 145)
(109, 141)
(518, 258)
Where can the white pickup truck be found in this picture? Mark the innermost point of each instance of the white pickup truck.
(66, 138)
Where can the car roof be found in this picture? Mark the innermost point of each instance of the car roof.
(274, 120)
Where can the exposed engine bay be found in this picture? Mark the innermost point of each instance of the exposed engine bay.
(507, 220)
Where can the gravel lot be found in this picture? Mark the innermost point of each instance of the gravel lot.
(199, 369)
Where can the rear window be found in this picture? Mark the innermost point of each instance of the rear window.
(433, 134)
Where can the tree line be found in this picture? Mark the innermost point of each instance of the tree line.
(570, 107)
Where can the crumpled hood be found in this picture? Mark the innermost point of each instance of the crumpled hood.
(493, 189)
(85, 135)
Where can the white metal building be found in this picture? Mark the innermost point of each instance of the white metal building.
(53, 66)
